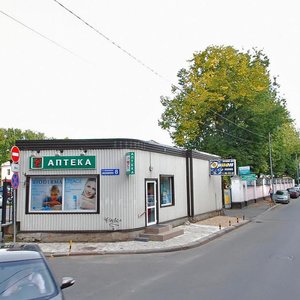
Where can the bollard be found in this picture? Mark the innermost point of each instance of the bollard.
(220, 226)
(237, 219)
(243, 217)
(70, 246)
(229, 223)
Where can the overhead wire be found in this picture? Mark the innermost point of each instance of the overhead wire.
(226, 133)
(123, 50)
(41, 35)
(111, 41)
(141, 62)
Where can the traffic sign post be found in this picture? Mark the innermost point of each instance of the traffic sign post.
(15, 154)
(15, 157)
(15, 181)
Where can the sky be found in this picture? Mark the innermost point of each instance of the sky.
(60, 77)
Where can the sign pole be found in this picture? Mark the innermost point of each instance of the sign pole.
(14, 216)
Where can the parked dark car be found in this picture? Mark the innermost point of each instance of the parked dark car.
(281, 196)
(294, 193)
(25, 274)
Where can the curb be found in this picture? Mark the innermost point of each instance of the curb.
(191, 245)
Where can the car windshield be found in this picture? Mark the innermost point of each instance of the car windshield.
(27, 279)
(280, 192)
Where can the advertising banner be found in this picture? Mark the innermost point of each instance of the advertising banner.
(223, 167)
(46, 194)
(63, 194)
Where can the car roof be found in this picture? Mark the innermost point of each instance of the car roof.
(18, 253)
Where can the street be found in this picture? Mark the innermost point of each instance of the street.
(257, 261)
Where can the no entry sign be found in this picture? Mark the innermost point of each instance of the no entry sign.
(15, 154)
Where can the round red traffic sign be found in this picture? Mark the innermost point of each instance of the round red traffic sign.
(15, 154)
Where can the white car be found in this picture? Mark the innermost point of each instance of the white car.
(281, 196)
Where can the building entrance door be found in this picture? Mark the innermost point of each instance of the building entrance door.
(151, 202)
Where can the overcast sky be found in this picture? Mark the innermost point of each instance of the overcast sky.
(74, 82)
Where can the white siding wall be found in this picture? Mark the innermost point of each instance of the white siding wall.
(121, 197)
(118, 196)
(173, 166)
(207, 189)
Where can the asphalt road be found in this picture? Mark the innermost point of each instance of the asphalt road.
(260, 260)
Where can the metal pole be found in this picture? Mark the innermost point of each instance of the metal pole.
(271, 166)
(14, 217)
(297, 168)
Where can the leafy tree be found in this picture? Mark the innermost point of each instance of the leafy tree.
(9, 136)
(285, 150)
(226, 103)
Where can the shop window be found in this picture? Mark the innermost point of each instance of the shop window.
(75, 194)
(166, 190)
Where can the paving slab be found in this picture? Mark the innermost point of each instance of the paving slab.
(195, 234)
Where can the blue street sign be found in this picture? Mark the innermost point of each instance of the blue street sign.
(15, 181)
(110, 172)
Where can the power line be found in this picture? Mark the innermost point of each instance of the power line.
(111, 41)
(236, 124)
(139, 61)
(41, 35)
(224, 132)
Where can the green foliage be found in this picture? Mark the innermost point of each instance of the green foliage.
(8, 138)
(285, 147)
(226, 103)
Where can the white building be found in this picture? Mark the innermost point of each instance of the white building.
(110, 189)
(6, 172)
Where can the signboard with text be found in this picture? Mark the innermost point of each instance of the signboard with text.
(63, 162)
(223, 167)
(249, 177)
(130, 163)
(244, 170)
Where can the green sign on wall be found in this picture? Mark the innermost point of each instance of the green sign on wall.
(63, 162)
(130, 163)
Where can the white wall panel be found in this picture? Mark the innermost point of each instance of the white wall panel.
(122, 197)
(207, 189)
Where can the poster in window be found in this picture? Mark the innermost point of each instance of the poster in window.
(46, 194)
(166, 191)
(80, 194)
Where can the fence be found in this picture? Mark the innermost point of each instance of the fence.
(243, 192)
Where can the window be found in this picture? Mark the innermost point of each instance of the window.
(8, 172)
(76, 194)
(166, 190)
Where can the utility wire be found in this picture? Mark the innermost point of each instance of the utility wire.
(41, 35)
(111, 41)
(224, 132)
(140, 62)
(236, 124)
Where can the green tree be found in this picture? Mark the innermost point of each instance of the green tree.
(285, 149)
(226, 103)
(9, 136)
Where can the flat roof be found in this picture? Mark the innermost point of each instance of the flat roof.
(118, 143)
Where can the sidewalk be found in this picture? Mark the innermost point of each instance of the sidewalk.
(195, 234)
